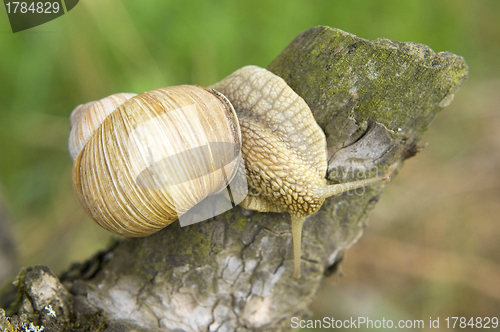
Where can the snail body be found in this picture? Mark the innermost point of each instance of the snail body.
(283, 148)
(283, 155)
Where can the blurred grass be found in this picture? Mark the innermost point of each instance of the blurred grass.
(444, 203)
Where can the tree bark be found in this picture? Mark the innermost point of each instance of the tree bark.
(373, 98)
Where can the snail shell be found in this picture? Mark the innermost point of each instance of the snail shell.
(135, 174)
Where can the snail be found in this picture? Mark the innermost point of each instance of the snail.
(120, 184)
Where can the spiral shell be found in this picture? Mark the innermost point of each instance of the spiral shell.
(86, 118)
(155, 156)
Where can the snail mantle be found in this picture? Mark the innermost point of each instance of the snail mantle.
(373, 99)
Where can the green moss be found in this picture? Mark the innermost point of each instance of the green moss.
(345, 78)
(193, 244)
(238, 222)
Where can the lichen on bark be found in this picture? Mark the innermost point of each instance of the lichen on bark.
(374, 99)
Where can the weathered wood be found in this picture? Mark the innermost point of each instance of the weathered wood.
(374, 99)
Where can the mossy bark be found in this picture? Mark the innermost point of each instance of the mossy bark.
(374, 99)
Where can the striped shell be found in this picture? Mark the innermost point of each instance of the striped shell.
(153, 156)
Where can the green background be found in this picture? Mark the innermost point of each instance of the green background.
(431, 248)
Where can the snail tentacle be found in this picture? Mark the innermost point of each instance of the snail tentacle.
(327, 191)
